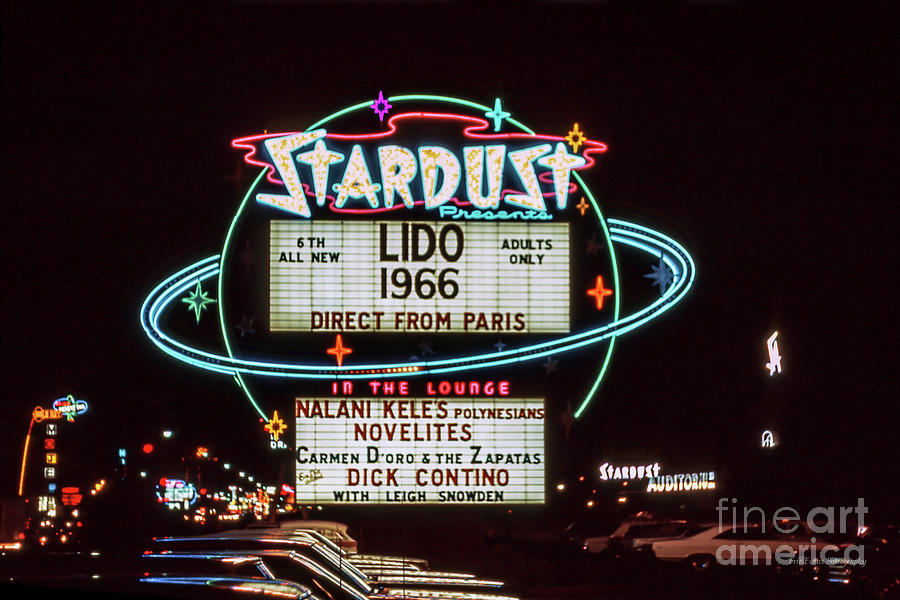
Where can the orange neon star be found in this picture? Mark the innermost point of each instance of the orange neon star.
(339, 350)
(275, 426)
(599, 292)
(582, 206)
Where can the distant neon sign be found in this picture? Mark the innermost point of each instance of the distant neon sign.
(176, 493)
(69, 407)
(609, 472)
(71, 496)
(774, 364)
(683, 482)
(43, 414)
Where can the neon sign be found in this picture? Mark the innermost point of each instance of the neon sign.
(69, 407)
(683, 482)
(71, 496)
(428, 450)
(434, 219)
(176, 493)
(275, 427)
(768, 439)
(774, 364)
(47, 504)
(438, 170)
(42, 414)
(609, 472)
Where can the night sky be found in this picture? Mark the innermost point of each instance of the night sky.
(760, 138)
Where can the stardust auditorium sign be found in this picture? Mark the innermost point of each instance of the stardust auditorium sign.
(405, 246)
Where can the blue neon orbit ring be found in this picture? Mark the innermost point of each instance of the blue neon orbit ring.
(621, 232)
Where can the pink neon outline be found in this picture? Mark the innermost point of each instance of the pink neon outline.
(472, 132)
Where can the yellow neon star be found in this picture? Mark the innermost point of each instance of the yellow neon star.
(575, 138)
(275, 426)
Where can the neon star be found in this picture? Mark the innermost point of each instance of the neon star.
(599, 292)
(582, 206)
(575, 138)
(561, 163)
(320, 159)
(381, 106)
(339, 350)
(275, 426)
(246, 325)
(197, 301)
(498, 115)
(661, 275)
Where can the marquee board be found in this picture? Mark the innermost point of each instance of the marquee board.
(420, 240)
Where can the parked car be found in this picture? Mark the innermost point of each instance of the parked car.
(289, 565)
(867, 565)
(576, 534)
(202, 563)
(374, 560)
(186, 587)
(635, 534)
(641, 546)
(744, 544)
(339, 533)
(314, 550)
(96, 563)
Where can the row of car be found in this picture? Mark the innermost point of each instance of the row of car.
(286, 561)
(866, 560)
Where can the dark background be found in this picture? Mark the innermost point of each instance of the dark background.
(760, 137)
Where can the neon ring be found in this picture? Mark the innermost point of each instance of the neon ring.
(621, 232)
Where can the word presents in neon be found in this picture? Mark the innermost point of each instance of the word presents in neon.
(310, 164)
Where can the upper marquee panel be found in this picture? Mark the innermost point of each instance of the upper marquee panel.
(376, 231)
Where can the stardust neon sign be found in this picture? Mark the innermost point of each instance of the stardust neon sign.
(441, 161)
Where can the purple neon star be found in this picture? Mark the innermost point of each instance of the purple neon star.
(381, 106)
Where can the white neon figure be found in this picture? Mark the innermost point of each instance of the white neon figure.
(774, 364)
(768, 440)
